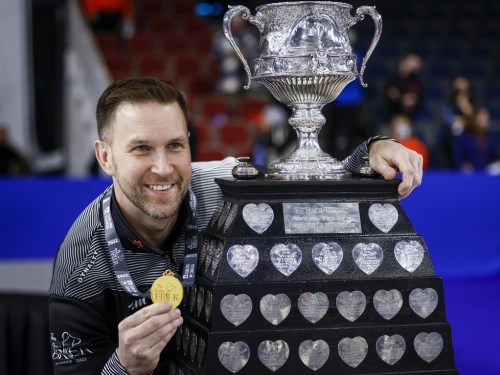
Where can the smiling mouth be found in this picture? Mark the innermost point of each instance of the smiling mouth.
(160, 187)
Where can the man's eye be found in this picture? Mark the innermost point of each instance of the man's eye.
(175, 146)
(142, 148)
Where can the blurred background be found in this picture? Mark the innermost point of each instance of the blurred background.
(433, 84)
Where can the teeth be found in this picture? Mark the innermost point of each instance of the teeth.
(160, 187)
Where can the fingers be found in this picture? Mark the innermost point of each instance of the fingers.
(145, 314)
(388, 157)
(411, 170)
(143, 335)
(150, 321)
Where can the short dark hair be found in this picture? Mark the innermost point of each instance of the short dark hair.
(135, 90)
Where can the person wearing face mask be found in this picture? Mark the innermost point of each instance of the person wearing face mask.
(402, 131)
(404, 91)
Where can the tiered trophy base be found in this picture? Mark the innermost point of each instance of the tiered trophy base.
(316, 278)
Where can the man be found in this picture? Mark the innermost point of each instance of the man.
(101, 317)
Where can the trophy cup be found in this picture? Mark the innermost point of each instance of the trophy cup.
(311, 271)
(305, 60)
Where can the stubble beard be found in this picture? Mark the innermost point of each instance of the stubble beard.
(161, 209)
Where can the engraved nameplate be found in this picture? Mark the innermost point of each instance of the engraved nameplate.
(409, 254)
(314, 354)
(423, 302)
(388, 303)
(353, 351)
(236, 309)
(313, 306)
(301, 218)
(275, 308)
(351, 305)
(367, 256)
(286, 258)
(428, 345)
(234, 356)
(327, 256)
(201, 351)
(258, 217)
(390, 349)
(243, 259)
(383, 216)
(273, 354)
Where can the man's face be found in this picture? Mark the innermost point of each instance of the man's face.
(149, 160)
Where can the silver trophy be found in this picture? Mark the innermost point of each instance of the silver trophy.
(305, 60)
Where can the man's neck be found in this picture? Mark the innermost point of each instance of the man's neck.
(154, 231)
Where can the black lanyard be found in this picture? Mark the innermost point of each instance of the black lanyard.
(117, 254)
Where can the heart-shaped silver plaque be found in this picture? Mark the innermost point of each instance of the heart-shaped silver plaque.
(208, 305)
(423, 302)
(243, 259)
(383, 216)
(224, 214)
(388, 303)
(275, 308)
(258, 217)
(286, 258)
(200, 300)
(313, 306)
(193, 346)
(217, 212)
(230, 217)
(186, 334)
(178, 338)
(351, 305)
(327, 256)
(210, 254)
(428, 345)
(192, 297)
(233, 356)
(219, 249)
(273, 354)
(367, 256)
(409, 254)
(236, 309)
(353, 351)
(314, 354)
(202, 252)
(390, 349)
(201, 351)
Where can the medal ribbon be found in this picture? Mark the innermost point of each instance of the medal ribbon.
(117, 254)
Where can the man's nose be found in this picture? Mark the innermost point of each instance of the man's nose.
(161, 164)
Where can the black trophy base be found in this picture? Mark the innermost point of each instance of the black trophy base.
(267, 239)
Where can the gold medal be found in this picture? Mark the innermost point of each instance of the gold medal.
(167, 288)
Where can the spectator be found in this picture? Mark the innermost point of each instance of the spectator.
(473, 149)
(347, 119)
(404, 91)
(232, 76)
(459, 105)
(12, 162)
(275, 138)
(402, 131)
(111, 16)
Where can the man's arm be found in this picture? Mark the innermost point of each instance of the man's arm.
(80, 339)
(388, 157)
(82, 343)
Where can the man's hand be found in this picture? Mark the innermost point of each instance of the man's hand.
(388, 158)
(143, 335)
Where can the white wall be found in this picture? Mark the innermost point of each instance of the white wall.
(86, 77)
(16, 91)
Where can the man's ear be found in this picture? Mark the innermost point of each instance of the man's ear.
(104, 156)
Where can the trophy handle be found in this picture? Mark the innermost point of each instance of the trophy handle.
(377, 20)
(228, 17)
